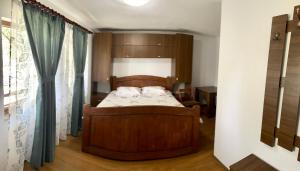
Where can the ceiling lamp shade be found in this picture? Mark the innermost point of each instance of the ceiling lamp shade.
(136, 3)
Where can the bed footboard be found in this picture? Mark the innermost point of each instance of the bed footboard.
(140, 132)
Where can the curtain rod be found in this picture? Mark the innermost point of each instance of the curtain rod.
(51, 11)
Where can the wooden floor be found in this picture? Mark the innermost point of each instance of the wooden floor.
(70, 158)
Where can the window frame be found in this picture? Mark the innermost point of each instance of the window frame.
(6, 23)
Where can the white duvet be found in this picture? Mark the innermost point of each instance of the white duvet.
(112, 100)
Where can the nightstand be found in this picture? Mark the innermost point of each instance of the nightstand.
(96, 98)
(207, 97)
(186, 97)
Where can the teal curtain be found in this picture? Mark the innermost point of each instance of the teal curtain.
(79, 50)
(46, 34)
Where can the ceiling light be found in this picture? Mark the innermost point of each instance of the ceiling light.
(136, 3)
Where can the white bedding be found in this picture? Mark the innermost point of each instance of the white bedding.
(112, 100)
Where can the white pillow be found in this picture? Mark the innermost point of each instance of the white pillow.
(128, 91)
(153, 91)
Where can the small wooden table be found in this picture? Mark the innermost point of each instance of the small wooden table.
(207, 97)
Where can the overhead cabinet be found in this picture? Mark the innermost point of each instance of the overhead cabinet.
(140, 51)
(143, 39)
(143, 46)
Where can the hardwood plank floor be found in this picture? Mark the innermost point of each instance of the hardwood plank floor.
(70, 158)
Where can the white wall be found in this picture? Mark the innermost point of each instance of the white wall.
(138, 66)
(142, 66)
(244, 46)
(205, 61)
(5, 7)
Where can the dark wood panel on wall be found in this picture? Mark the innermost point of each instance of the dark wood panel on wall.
(290, 105)
(272, 90)
(101, 67)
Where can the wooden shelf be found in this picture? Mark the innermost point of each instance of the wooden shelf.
(251, 163)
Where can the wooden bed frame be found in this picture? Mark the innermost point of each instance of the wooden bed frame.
(140, 132)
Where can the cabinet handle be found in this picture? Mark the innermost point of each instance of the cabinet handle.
(159, 44)
(176, 78)
(127, 56)
(158, 56)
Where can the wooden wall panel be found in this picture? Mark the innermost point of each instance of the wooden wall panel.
(290, 105)
(272, 90)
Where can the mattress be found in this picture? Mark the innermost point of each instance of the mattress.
(112, 100)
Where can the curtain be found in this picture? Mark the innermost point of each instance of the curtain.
(22, 91)
(79, 50)
(64, 82)
(88, 70)
(46, 34)
(3, 149)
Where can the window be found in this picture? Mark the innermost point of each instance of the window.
(19, 77)
(6, 62)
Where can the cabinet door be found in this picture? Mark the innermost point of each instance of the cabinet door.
(167, 52)
(169, 40)
(188, 52)
(117, 51)
(183, 58)
(132, 51)
(143, 39)
(101, 67)
(118, 39)
(143, 46)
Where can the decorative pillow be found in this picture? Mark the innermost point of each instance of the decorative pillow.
(128, 91)
(153, 91)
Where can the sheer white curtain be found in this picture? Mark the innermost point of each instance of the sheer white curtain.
(64, 81)
(88, 70)
(23, 86)
(3, 128)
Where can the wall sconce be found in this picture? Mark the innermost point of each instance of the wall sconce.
(298, 15)
(276, 36)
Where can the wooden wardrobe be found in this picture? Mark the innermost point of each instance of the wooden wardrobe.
(107, 45)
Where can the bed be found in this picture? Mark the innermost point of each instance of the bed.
(142, 128)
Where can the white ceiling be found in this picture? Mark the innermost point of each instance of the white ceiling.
(201, 16)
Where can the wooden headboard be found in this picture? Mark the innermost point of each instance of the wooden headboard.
(140, 81)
